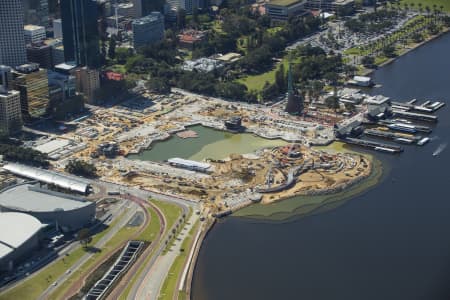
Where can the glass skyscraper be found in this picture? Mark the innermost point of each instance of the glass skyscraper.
(80, 32)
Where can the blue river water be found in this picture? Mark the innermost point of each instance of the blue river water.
(392, 242)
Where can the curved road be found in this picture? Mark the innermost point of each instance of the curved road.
(148, 276)
(123, 283)
(76, 286)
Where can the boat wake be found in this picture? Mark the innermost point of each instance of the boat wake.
(439, 149)
(434, 138)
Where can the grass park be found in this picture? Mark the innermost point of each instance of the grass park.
(445, 3)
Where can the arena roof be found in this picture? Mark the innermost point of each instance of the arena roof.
(17, 228)
(49, 177)
(30, 198)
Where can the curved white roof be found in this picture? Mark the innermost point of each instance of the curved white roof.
(17, 228)
(29, 198)
(189, 163)
(46, 176)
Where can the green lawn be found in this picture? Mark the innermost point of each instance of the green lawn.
(171, 211)
(169, 286)
(36, 285)
(430, 3)
(257, 82)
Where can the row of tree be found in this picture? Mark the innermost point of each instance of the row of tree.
(24, 155)
(81, 168)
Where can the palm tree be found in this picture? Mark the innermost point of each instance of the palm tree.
(405, 6)
(435, 13)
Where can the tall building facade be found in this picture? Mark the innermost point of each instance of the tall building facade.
(12, 40)
(188, 5)
(137, 4)
(36, 12)
(32, 83)
(87, 81)
(41, 54)
(34, 34)
(57, 29)
(10, 114)
(148, 30)
(80, 32)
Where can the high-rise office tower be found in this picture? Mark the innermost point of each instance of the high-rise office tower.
(32, 83)
(80, 32)
(188, 5)
(10, 114)
(12, 40)
(36, 12)
(137, 7)
(148, 30)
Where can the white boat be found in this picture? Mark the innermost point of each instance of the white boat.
(403, 121)
(403, 127)
(423, 141)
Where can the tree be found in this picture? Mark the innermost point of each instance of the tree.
(122, 54)
(332, 102)
(389, 51)
(280, 79)
(368, 61)
(84, 237)
(158, 85)
(269, 91)
(112, 47)
(231, 90)
(23, 155)
(350, 107)
(316, 89)
(81, 168)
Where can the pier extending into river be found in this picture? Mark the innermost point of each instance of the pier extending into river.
(374, 145)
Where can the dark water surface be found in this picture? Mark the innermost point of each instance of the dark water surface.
(392, 242)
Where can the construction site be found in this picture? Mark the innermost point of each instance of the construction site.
(107, 135)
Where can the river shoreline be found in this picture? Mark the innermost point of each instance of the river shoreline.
(407, 50)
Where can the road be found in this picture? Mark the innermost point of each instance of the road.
(151, 284)
(123, 283)
(142, 279)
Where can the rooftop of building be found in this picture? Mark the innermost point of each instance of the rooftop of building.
(285, 2)
(67, 66)
(343, 2)
(31, 27)
(152, 17)
(229, 57)
(17, 228)
(27, 68)
(32, 198)
(4, 94)
(49, 177)
(189, 163)
(125, 5)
